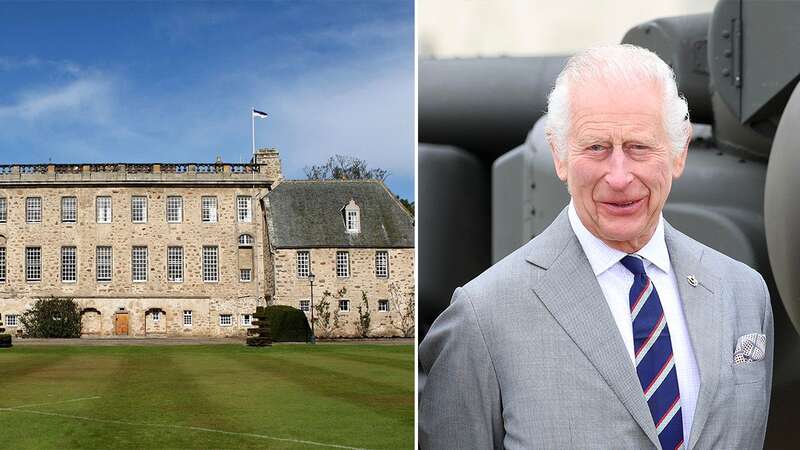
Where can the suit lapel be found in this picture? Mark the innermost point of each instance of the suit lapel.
(570, 292)
(702, 308)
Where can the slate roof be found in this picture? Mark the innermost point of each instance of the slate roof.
(304, 214)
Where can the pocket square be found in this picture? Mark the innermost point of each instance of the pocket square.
(750, 347)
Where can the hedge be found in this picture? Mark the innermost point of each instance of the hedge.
(264, 334)
(288, 324)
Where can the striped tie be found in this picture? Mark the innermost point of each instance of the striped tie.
(655, 363)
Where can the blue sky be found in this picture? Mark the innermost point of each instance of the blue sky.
(174, 82)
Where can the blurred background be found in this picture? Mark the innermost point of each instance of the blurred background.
(481, 28)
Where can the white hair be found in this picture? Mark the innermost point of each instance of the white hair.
(623, 63)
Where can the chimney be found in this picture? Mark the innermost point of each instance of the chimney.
(269, 161)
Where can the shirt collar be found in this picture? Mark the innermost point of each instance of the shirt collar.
(602, 257)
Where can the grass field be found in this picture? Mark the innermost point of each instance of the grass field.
(207, 396)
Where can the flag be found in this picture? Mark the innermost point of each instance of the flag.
(261, 114)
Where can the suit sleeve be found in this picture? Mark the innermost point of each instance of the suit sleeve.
(460, 402)
(769, 331)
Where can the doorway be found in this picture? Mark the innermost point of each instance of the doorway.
(121, 323)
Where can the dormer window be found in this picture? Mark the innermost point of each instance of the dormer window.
(352, 217)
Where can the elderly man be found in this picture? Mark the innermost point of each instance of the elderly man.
(610, 329)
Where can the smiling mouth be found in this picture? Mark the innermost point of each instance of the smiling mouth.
(623, 207)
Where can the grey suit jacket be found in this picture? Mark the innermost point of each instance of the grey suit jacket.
(527, 355)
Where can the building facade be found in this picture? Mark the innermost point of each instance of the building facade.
(145, 249)
(357, 241)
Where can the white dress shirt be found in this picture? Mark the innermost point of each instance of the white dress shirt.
(615, 281)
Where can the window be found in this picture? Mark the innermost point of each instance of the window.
(303, 264)
(245, 257)
(104, 258)
(243, 209)
(11, 320)
(187, 318)
(139, 264)
(174, 209)
(3, 210)
(208, 209)
(2, 264)
(382, 264)
(69, 263)
(69, 209)
(353, 225)
(33, 209)
(342, 264)
(33, 263)
(138, 209)
(352, 217)
(156, 315)
(344, 305)
(383, 305)
(247, 319)
(305, 305)
(103, 209)
(175, 264)
(225, 320)
(210, 264)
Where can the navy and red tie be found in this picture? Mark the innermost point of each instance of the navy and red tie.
(655, 363)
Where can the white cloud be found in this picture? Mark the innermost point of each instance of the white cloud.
(88, 97)
(367, 117)
(33, 62)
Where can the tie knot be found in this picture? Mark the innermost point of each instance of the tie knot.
(634, 264)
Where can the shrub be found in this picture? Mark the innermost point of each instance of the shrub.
(53, 317)
(5, 340)
(364, 316)
(328, 323)
(288, 324)
(264, 334)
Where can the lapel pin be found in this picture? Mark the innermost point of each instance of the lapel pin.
(692, 280)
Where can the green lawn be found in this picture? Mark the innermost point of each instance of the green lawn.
(207, 396)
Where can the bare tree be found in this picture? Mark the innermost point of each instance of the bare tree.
(325, 320)
(342, 167)
(404, 303)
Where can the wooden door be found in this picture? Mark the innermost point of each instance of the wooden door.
(121, 324)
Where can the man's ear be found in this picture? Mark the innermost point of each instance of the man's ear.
(679, 161)
(560, 165)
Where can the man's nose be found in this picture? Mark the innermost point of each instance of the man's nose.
(618, 176)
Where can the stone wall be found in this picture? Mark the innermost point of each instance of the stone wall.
(269, 163)
(208, 299)
(290, 289)
(99, 315)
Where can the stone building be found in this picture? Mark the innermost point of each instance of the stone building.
(356, 239)
(145, 249)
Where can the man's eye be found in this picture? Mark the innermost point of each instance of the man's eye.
(596, 148)
(639, 147)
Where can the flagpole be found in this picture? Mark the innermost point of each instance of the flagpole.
(253, 123)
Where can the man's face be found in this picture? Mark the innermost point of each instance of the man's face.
(619, 165)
